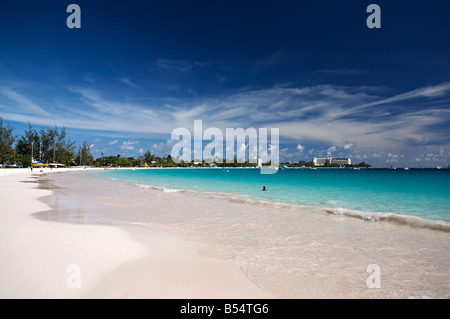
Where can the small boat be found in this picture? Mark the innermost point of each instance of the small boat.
(55, 165)
(406, 169)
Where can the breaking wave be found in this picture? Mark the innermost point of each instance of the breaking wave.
(163, 189)
(410, 220)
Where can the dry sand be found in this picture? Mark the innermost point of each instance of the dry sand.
(47, 259)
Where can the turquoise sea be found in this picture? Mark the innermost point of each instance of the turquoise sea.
(417, 192)
(312, 234)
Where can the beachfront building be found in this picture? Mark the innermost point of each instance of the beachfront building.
(319, 161)
(259, 162)
(340, 161)
(328, 161)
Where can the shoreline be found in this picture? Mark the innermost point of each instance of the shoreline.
(115, 261)
(39, 259)
(292, 253)
(209, 247)
(174, 269)
(410, 220)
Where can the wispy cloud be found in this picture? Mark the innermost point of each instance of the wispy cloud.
(128, 145)
(21, 103)
(328, 114)
(277, 57)
(348, 146)
(112, 143)
(433, 91)
(128, 82)
(341, 72)
(178, 66)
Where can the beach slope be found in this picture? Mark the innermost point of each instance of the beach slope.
(50, 259)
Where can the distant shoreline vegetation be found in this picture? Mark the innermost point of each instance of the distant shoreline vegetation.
(51, 145)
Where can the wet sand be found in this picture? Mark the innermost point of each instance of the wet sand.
(286, 251)
(52, 247)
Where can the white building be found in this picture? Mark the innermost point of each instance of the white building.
(259, 163)
(319, 161)
(340, 161)
(327, 161)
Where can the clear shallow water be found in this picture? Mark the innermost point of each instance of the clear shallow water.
(423, 193)
(291, 251)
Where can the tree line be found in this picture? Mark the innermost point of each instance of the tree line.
(52, 145)
(47, 145)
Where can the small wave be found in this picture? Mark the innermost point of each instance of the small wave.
(235, 197)
(163, 189)
(221, 194)
(413, 221)
(121, 221)
(142, 186)
(149, 186)
(410, 220)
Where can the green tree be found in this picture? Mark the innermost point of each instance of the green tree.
(54, 146)
(7, 140)
(84, 155)
(65, 148)
(364, 164)
(27, 147)
(149, 158)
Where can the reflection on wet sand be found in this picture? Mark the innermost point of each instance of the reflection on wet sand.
(66, 208)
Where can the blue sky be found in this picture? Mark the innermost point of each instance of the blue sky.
(136, 70)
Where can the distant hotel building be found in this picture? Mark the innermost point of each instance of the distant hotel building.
(327, 161)
(259, 162)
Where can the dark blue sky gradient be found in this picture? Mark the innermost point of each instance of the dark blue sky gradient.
(172, 57)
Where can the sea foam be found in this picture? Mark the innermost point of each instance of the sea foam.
(413, 221)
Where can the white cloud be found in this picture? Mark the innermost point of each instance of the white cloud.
(22, 104)
(128, 145)
(332, 148)
(425, 92)
(300, 148)
(112, 143)
(323, 114)
(348, 146)
(165, 148)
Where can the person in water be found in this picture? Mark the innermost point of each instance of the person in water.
(264, 188)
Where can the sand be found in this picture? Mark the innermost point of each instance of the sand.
(291, 251)
(51, 259)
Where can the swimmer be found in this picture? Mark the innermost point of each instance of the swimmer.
(264, 188)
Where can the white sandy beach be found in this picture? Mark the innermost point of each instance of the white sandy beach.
(137, 242)
(35, 256)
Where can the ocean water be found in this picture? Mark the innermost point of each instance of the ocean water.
(283, 239)
(367, 193)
